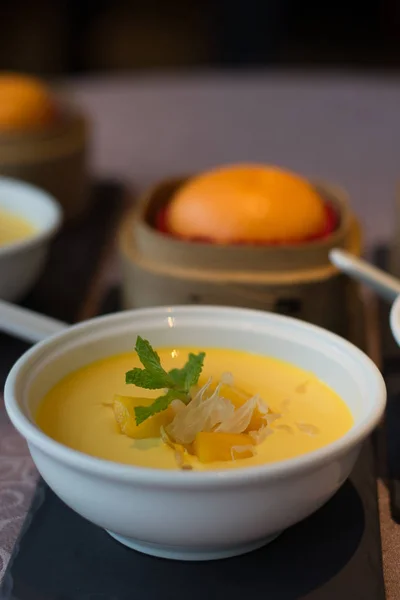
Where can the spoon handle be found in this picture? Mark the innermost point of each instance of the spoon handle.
(27, 324)
(384, 284)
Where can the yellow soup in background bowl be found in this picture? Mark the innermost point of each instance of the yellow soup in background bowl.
(319, 396)
(14, 228)
(29, 218)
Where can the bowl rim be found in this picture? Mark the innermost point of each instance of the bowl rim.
(41, 234)
(156, 478)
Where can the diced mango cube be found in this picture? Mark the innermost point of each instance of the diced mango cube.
(124, 411)
(238, 398)
(210, 447)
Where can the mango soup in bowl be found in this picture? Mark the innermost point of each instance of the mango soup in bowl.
(194, 432)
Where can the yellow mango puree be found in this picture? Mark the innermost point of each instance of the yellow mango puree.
(77, 412)
(14, 228)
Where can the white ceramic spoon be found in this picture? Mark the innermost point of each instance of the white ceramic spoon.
(385, 285)
(27, 324)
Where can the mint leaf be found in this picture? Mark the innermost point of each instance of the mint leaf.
(149, 358)
(178, 376)
(142, 413)
(193, 369)
(146, 379)
(189, 375)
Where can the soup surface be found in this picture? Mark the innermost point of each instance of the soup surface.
(77, 412)
(14, 228)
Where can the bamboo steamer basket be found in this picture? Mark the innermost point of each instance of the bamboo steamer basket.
(296, 280)
(53, 158)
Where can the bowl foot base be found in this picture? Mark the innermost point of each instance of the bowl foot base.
(195, 554)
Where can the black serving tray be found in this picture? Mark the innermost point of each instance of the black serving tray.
(334, 554)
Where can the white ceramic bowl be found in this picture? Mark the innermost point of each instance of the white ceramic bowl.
(21, 262)
(186, 514)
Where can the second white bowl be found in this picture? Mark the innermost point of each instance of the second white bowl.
(21, 262)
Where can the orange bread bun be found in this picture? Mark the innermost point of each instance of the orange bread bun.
(246, 203)
(25, 103)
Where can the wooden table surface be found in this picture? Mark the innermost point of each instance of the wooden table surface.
(344, 129)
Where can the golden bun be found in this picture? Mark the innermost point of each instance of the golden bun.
(25, 103)
(246, 203)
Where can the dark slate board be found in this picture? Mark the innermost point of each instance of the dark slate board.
(336, 553)
(333, 554)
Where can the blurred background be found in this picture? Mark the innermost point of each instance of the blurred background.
(81, 36)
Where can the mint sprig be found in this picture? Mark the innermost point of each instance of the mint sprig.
(144, 379)
(177, 383)
(161, 403)
(189, 375)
